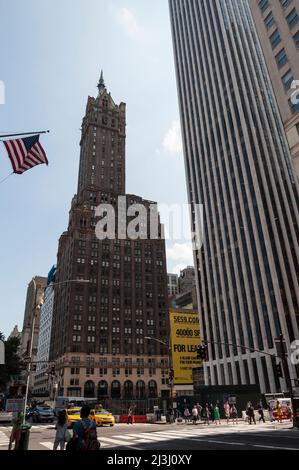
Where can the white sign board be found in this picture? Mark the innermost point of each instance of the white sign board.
(14, 405)
(2, 353)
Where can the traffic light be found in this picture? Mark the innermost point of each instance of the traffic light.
(202, 352)
(279, 372)
(171, 375)
(23, 365)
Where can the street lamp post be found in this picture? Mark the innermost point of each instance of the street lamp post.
(35, 307)
(31, 348)
(171, 375)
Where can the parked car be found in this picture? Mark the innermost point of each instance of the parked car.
(6, 417)
(41, 414)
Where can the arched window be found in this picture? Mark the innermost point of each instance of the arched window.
(115, 389)
(140, 389)
(103, 389)
(89, 389)
(128, 389)
(152, 389)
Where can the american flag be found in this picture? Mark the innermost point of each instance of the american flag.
(25, 153)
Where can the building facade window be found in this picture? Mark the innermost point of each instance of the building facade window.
(292, 18)
(281, 58)
(275, 38)
(269, 20)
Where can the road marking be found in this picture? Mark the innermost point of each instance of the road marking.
(114, 441)
(177, 435)
(4, 439)
(48, 445)
(150, 437)
(275, 447)
(223, 442)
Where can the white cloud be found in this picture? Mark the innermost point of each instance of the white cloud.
(179, 255)
(173, 139)
(129, 22)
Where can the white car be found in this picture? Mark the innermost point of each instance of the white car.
(5, 417)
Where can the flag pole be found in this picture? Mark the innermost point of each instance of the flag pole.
(4, 179)
(24, 133)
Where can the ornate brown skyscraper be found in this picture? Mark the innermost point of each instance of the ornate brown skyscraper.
(99, 328)
(102, 160)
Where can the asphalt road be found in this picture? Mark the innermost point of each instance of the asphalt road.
(176, 437)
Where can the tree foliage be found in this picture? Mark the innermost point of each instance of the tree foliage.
(12, 361)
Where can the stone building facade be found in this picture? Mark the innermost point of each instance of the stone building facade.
(99, 328)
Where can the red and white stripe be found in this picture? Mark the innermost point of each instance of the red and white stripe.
(21, 159)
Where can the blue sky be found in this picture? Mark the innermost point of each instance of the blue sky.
(52, 52)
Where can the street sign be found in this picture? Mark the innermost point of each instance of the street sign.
(2, 352)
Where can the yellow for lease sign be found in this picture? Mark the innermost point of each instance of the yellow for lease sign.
(185, 339)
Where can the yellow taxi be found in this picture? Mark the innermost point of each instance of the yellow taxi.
(73, 415)
(102, 417)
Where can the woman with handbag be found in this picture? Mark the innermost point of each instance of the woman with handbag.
(61, 436)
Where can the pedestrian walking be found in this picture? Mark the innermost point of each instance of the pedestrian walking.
(211, 409)
(171, 415)
(62, 433)
(16, 432)
(278, 411)
(194, 415)
(250, 413)
(217, 414)
(289, 413)
(227, 411)
(84, 433)
(271, 410)
(206, 414)
(234, 414)
(130, 415)
(261, 412)
(199, 409)
(186, 415)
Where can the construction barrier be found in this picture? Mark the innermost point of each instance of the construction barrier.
(136, 419)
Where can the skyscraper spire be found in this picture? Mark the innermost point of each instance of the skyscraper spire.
(101, 84)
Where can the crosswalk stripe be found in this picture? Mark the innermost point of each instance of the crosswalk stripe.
(150, 437)
(4, 439)
(48, 445)
(177, 436)
(117, 442)
(214, 441)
